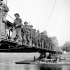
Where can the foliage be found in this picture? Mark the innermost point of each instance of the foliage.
(66, 46)
(54, 42)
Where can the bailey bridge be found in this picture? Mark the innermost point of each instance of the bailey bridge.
(6, 45)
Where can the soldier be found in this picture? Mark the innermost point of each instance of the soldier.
(42, 40)
(26, 33)
(45, 41)
(34, 37)
(38, 38)
(3, 12)
(31, 33)
(4, 8)
(17, 28)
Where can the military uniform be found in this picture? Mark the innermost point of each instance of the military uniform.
(38, 35)
(4, 8)
(42, 40)
(34, 37)
(31, 34)
(17, 29)
(3, 12)
(26, 34)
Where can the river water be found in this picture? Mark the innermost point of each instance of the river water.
(7, 62)
(12, 66)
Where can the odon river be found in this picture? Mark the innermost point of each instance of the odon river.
(7, 62)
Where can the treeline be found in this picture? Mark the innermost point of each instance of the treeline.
(66, 47)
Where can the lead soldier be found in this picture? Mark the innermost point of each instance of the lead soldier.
(17, 29)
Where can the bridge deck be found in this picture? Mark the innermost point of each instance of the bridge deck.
(11, 46)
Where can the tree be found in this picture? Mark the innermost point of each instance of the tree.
(54, 41)
(66, 47)
(54, 44)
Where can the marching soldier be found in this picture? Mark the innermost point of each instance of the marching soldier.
(42, 40)
(38, 38)
(31, 33)
(34, 37)
(17, 29)
(26, 33)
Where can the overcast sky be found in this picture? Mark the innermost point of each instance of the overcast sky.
(37, 12)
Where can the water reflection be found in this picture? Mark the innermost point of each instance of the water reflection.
(12, 66)
(66, 67)
(50, 68)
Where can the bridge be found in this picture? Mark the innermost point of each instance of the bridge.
(34, 42)
(12, 46)
(6, 45)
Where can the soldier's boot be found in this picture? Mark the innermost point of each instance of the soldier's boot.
(13, 35)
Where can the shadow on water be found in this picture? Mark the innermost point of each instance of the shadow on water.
(55, 67)
(43, 67)
(50, 67)
(33, 67)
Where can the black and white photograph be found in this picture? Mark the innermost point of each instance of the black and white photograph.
(34, 34)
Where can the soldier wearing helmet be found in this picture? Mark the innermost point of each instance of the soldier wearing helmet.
(25, 31)
(17, 29)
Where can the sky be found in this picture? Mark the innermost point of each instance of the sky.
(37, 13)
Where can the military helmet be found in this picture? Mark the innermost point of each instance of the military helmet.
(25, 22)
(16, 14)
(34, 30)
(31, 26)
(42, 33)
(38, 31)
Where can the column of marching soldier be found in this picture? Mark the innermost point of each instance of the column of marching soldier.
(30, 36)
(25, 34)
(33, 37)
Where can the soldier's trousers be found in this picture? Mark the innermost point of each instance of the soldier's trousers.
(17, 31)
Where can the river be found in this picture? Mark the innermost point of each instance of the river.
(12, 66)
(7, 62)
